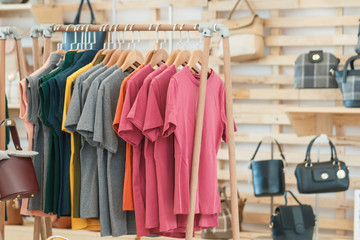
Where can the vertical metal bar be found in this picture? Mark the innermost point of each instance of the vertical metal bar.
(171, 19)
(197, 138)
(2, 129)
(231, 139)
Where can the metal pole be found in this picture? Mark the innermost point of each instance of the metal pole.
(2, 129)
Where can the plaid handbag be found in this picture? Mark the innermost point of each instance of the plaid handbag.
(349, 82)
(224, 229)
(315, 70)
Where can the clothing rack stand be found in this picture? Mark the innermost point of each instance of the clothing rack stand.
(42, 227)
(207, 31)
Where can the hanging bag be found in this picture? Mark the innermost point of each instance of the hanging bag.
(293, 222)
(247, 36)
(268, 175)
(97, 38)
(349, 82)
(17, 174)
(322, 177)
(315, 69)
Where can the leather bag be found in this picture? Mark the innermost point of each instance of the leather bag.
(349, 82)
(322, 177)
(315, 69)
(268, 175)
(293, 222)
(247, 36)
(97, 38)
(17, 174)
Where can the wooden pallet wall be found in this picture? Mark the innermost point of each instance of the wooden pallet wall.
(261, 101)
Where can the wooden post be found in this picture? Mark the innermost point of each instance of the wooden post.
(231, 140)
(48, 227)
(21, 59)
(37, 226)
(197, 139)
(47, 48)
(36, 53)
(2, 129)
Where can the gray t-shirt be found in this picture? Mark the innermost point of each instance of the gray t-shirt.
(89, 192)
(40, 161)
(111, 156)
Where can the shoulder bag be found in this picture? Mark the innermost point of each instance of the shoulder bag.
(17, 174)
(247, 36)
(293, 222)
(315, 70)
(322, 177)
(97, 38)
(349, 82)
(268, 175)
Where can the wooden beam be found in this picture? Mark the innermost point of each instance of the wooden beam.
(296, 41)
(302, 22)
(262, 79)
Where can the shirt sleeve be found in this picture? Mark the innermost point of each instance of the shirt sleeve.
(74, 111)
(137, 112)
(154, 121)
(127, 130)
(223, 115)
(171, 109)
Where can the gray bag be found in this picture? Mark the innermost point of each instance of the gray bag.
(315, 70)
(349, 82)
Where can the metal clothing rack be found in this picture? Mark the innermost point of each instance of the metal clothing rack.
(207, 31)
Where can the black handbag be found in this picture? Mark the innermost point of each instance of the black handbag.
(322, 177)
(268, 175)
(293, 222)
(96, 38)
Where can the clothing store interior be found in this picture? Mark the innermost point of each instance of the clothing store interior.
(193, 119)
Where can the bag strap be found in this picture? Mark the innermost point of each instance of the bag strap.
(14, 133)
(238, 4)
(334, 157)
(278, 145)
(77, 18)
(285, 196)
(350, 61)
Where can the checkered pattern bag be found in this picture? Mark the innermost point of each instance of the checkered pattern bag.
(349, 82)
(315, 70)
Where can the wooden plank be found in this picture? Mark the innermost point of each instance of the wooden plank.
(261, 118)
(334, 40)
(47, 14)
(288, 94)
(218, 5)
(324, 223)
(262, 79)
(283, 60)
(302, 22)
(328, 203)
(15, 7)
(291, 157)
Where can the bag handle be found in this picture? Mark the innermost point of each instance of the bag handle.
(14, 133)
(77, 18)
(222, 191)
(350, 61)
(285, 196)
(334, 157)
(273, 140)
(238, 4)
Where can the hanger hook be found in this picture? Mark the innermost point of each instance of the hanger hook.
(123, 34)
(116, 36)
(157, 33)
(109, 34)
(87, 37)
(150, 26)
(132, 35)
(104, 30)
(83, 36)
(67, 28)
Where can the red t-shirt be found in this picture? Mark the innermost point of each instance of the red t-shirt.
(180, 119)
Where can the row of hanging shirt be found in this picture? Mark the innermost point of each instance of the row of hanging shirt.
(115, 135)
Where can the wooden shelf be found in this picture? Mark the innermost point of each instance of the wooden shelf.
(317, 120)
(15, 7)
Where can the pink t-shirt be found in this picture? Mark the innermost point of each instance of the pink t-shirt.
(133, 135)
(180, 119)
(137, 116)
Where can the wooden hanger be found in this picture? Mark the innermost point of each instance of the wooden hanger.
(122, 58)
(133, 60)
(172, 57)
(114, 57)
(97, 55)
(196, 57)
(182, 58)
(148, 57)
(108, 53)
(159, 57)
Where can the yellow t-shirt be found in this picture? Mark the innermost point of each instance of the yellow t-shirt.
(77, 223)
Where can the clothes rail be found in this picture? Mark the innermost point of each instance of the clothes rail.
(207, 31)
(42, 227)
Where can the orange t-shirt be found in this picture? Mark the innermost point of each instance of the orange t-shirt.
(128, 199)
